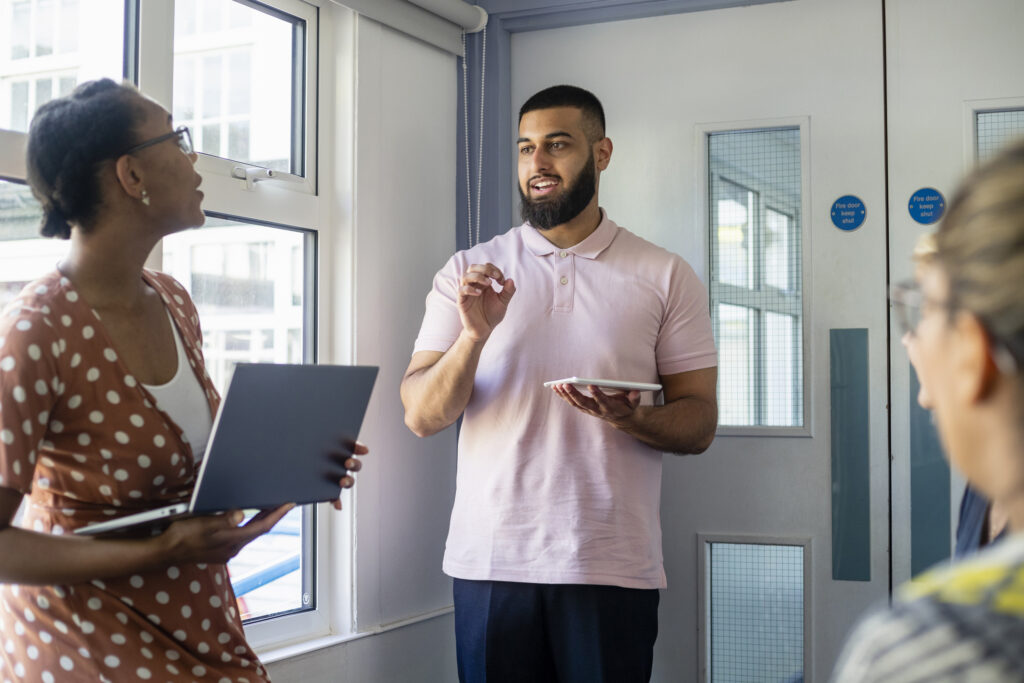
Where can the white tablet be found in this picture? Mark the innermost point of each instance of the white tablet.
(620, 385)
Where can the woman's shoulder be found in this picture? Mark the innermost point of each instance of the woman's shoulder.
(39, 310)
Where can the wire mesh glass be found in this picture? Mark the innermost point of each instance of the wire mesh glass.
(755, 616)
(755, 184)
(996, 129)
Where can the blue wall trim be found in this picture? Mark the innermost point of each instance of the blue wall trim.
(851, 455)
(498, 195)
(929, 488)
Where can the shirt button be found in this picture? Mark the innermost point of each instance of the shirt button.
(563, 254)
(565, 280)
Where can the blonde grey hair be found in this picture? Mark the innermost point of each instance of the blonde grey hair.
(980, 247)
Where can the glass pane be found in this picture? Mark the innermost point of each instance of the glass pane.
(222, 51)
(734, 206)
(781, 395)
(45, 17)
(67, 40)
(755, 617)
(21, 23)
(88, 50)
(24, 255)
(734, 335)
(777, 255)
(19, 105)
(996, 129)
(44, 91)
(241, 277)
(755, 185)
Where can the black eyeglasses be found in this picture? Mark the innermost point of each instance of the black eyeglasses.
(182, 133)
(908, 302)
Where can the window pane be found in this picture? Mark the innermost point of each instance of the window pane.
(996, 129)
(777, 256)
(755, 617)
(88, 50)
(44, 91)
(241, 277)
(734, 207)
(19, 105)
(756, 282)
(733, 333)
(781, 395)
(24, 255)
(68, 39)
(236, 47)
(45, 17)
(21, 22)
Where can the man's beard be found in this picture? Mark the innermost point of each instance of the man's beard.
(547, 213)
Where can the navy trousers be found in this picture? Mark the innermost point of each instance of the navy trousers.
(542, 633)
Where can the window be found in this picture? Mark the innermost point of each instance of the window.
(242, 279)
(24, 255)
(47, 47)
(995, 129)
(754, 181)
(753, 598)
(251, 268)
(232, 63)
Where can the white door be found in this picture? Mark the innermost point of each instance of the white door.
(956, 93)
(735, 133)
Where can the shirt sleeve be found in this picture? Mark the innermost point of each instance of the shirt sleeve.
(29, 388)
(685, 341)
(441, 323)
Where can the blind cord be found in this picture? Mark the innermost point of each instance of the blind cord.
(473, 236)
(480, 148)
(465, 140)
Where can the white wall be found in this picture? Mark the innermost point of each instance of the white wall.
(403, 213)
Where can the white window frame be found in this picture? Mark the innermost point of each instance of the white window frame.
(703, 214)
(284, 200)
(288, 200)
(704, 540)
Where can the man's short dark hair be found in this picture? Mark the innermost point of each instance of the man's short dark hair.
(570, 96)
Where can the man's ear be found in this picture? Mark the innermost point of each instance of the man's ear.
(129, 176)
(603, 153)
(975, 364)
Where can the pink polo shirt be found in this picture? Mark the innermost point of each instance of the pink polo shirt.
(544, 492)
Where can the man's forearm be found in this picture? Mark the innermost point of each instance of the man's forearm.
(684, 426)
(435, 396)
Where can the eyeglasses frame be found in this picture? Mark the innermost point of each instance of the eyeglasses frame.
(183, 134)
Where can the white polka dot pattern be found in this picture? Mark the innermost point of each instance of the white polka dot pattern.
(103, 450)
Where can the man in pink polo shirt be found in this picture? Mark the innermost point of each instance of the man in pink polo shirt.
(555, 537)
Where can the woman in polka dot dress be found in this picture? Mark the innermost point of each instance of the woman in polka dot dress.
(87, 431)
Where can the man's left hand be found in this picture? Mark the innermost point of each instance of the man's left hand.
(616, 408)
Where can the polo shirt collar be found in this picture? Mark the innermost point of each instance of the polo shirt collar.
(590, 248)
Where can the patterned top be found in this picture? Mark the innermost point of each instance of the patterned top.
(86, 442)
(963, 622)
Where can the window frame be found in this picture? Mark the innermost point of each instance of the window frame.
(704, 213)
(286, 201)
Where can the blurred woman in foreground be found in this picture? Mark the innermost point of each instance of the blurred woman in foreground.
(965, 315)
(104, 405)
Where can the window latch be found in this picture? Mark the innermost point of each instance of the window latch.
(254, 174)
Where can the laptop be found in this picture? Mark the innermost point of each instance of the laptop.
(281, 435)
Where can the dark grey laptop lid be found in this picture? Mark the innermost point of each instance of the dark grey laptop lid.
(282, 435)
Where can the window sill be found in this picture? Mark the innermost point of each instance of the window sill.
(279, 653)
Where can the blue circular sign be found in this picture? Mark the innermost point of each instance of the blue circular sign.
(927, 205)
(848, 212)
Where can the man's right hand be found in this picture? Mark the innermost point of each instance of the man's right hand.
(480, 307)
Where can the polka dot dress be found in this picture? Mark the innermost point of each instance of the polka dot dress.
(86, 442)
